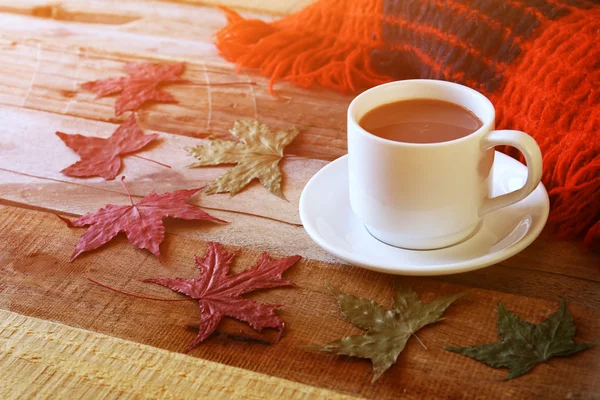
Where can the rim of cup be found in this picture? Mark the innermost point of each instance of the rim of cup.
(488, 123)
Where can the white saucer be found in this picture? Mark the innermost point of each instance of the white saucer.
(328, 219)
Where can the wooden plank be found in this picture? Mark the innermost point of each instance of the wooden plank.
(29, 148)
(528, 281)
(141, 37)
(45, 76)
(119, 12)
(559, 257)
(74, 363)
(68, 50)
(270, 7)
(144, 27)
(31, 157)
(36, 280)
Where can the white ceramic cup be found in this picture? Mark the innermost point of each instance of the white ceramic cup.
(430, 195)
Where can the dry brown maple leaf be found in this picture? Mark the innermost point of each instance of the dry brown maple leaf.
(102, 157)
(257, 156)
(141, 222)
(387, 330)
(219, 294)
(141, 86)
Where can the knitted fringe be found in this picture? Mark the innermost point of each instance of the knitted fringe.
(303, 58)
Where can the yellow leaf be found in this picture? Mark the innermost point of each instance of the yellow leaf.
(257, 155)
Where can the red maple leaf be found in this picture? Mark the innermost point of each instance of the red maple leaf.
(219, 294)
(102, 157)
(141, 222)
(141, 86)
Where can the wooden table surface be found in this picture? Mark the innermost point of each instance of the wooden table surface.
(63, 337)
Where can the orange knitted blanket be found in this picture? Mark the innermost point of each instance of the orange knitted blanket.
(537, 60)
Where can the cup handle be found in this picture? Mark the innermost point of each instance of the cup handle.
(530, 149)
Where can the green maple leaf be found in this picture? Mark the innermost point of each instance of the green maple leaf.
(523, 345)
(387, 330)
(257, 156)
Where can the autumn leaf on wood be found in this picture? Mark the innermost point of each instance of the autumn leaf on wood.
(219, 293)
(387, 330)
(523, 345)
(102, 157)
(141, 222)
(257, 155)
(141, 86)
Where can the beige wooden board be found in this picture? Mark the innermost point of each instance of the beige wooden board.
(74, 363)
(31, 157)
(121, 12)
(42, 70)
(45, 77)
(29, 148)
(129, 26)
(269, 7)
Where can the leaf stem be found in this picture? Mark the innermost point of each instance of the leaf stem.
(154, 161)
(127, 190)
(133, 295)
(422, 344)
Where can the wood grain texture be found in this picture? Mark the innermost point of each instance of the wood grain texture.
(107, 11)
(36, 280)
(31, 157)
(46, 76)
(29, 148)
(269, 7)
(75, 363)
(119, 12)
(46, 59)
(48, 47)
